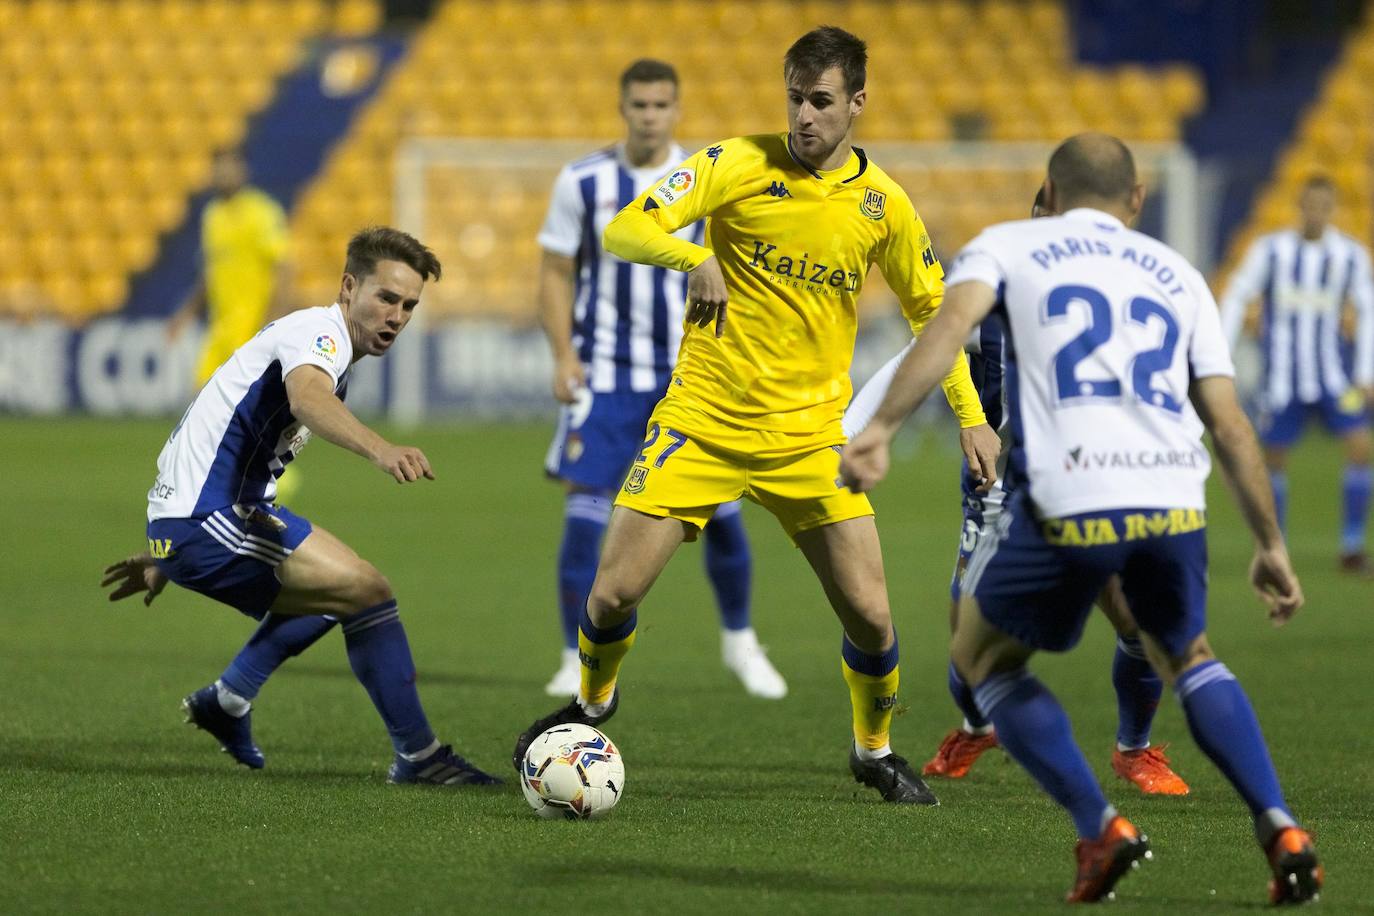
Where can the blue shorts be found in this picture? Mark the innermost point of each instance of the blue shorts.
(232, 555)
(980, 519)
(1036, 580)
(1281, 428)
(598, 437)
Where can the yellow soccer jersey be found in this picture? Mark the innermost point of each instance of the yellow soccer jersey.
(794, 246)
(244, 237)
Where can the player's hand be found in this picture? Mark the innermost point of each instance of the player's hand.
(136, 574)
(1272, 576)
(865, 460)
(981, 446)
(707, 295)
(404, 462)
(569, 375)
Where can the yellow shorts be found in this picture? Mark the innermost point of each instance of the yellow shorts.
(691, 463)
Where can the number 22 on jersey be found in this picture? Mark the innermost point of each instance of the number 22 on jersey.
(1071, 388)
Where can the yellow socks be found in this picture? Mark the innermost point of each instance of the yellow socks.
(601, 651)
(872, 681)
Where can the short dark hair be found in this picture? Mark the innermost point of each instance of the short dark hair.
(1093, 166)
(1039, 199)
(825, 47)
(648, 70)
(1319, 180)
(382, 243)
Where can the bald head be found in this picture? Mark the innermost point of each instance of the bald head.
(1090, 170)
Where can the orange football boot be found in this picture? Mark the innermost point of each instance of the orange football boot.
(1102, 862)
(1149, 769)
(957, 753)
(1297, 873)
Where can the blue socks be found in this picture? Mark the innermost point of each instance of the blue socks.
(1355, 486)
(963, 698)
(1279, 481)
(1224, 726)
(379, 653)
(729, 565)
(1033, 728)
(584, 522)
(275, 640)
(1138, 690)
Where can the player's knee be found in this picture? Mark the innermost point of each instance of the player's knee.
(1358, 447)
(368, 588)
(610, 602)
(1198, 651)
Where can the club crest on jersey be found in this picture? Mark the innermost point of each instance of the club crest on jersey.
(874, 204)
(635, 482)
(676, 186)
(325, 346)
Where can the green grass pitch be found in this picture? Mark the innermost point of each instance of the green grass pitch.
(108, 803)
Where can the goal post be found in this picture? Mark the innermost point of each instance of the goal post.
(474, 347)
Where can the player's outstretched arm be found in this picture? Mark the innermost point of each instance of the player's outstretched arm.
(310, 391)
(864, 461)
(635, 234)
(1271, 571)
(136, 574)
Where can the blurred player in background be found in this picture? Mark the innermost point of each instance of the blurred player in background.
(1109, 333)
(753, 409)
(614, 328)
(245, 275)
(1138, 685)
(1305, 276)
(213, 527)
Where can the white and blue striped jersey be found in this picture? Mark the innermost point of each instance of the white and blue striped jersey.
(627, 318)
(1105, 330)
(238, 435)
(1304, 287)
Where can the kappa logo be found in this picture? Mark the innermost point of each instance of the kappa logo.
(778, 189)
(635, 482)
(676, 186)
(874, 204)
(326, 347)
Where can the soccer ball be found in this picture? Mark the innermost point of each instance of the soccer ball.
(573, 772)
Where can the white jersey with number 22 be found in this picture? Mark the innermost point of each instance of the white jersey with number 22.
(1106, 328)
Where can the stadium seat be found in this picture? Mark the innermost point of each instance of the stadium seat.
(1005, 76)
(111, 109)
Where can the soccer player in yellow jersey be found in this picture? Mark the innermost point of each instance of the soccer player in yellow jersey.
(246, 272)
(754, 405)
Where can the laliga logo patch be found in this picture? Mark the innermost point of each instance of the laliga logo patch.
(874, 204)
(676, 186)
(325, 346)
